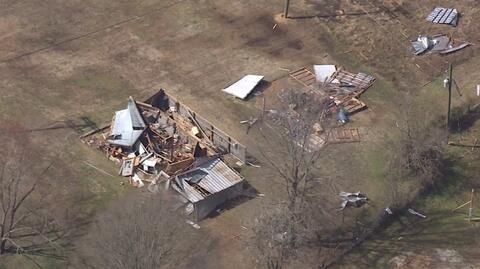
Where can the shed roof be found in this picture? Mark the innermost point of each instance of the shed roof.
(209, 177)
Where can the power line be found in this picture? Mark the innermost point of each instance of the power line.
(134, 18)
(386, 32)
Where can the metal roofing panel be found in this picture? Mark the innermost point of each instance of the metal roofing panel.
(443, 16)
(219, 177)
(191, 194)
(244, 86)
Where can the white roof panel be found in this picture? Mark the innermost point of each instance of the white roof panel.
(324, 72)
(244, 86)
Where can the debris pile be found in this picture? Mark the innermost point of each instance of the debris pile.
(165, 142)
(355, 199)
(146, 140)
(438, 43)
(331, 94)
(342, 88)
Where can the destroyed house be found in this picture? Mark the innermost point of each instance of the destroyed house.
(208, 185)
(159, 139)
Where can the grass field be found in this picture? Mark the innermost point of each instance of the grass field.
(63, 60)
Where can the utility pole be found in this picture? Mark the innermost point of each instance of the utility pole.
(285, 10)
(448, 82)
(470, 209)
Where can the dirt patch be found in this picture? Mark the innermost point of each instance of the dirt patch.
(7, 36)
(440, 258)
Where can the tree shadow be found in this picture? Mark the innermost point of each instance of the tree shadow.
(259, 89)
(464, 120)
(87, 124)
(248, 193)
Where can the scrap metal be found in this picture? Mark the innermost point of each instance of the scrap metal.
(444, 16)
(355, 199)
(438, 43)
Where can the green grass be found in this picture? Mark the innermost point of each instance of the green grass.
(442, 229)
(19, 261)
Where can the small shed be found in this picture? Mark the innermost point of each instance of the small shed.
(208, 185)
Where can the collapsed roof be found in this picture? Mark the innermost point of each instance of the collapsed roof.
(128, 126)
(208, 178)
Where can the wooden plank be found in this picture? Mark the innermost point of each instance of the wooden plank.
(127, 167)
(304, 76)
(360, 80)
(344, 135)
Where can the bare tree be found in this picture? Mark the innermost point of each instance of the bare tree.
(417, 153)
(140, 231)
(297, 142)
(418, 147)
(31, 222)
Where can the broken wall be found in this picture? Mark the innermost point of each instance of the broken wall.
(218, 138)
(204, 207)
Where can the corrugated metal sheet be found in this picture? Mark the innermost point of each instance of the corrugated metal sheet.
(444, 16)
(219, 177)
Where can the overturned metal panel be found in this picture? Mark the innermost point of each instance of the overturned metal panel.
(440, 43)
(422, 44)
(244, 86)
(444, 16)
